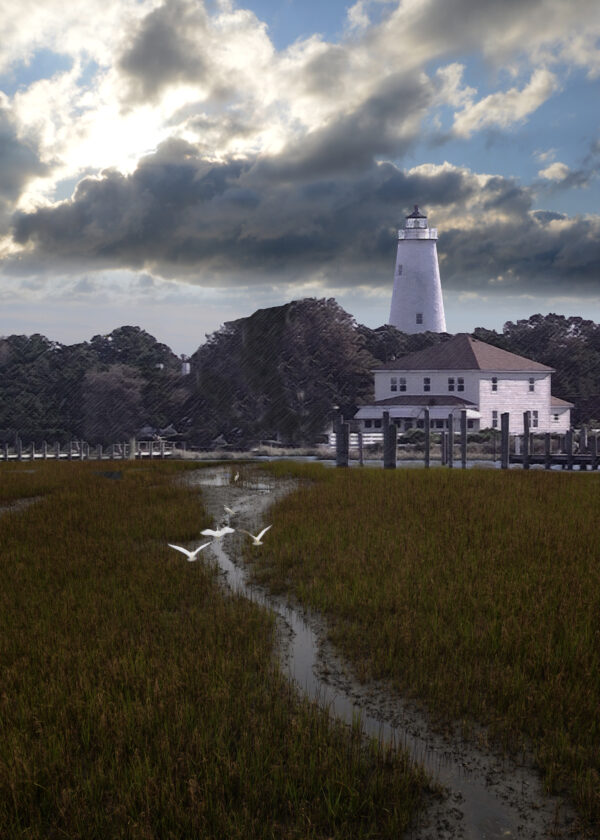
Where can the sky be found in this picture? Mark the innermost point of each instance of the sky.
(176, 164)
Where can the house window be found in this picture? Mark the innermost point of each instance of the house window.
(368, 424)
(402, 383)
(427, 383)
(461, 384)
(419, 317)
(555, 418)
(534, 419)
(394, 383)
(377, 424)
(439, 424)
(494, 383)
(494, 419)
(531, 383)
(469, 424)
(451, 383)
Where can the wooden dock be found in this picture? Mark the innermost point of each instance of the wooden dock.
(581, 461)
(572, 450)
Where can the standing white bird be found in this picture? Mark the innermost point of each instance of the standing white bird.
(191, 555)
(236, 476)
(256, 540)
(224, 529)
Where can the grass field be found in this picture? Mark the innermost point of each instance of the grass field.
(477, 591)
(137, 701)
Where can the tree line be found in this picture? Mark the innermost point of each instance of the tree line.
(278, 374)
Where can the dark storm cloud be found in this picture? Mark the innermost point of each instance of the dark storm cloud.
(526, 254)
(19, 162)
(246, 221)
(164, 50)
(381, 126)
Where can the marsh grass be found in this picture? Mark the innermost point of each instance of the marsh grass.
(477, 591)
(137, 700)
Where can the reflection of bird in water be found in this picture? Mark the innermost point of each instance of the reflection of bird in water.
(224, 529)
(191, 555)
(256, 540)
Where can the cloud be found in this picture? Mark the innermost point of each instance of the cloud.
(557, 171)
(19, 163)
(237, 222)
(221, 161)
(164, 50)
(75, 28)
(562, 177)
(507, 107)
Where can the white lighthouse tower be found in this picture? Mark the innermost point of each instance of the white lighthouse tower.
(417, 303)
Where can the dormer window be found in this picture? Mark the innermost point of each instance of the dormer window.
(394, 383)
(461, 384)
(531, 383)
(427, 383)
(451, 383)
(402, 383)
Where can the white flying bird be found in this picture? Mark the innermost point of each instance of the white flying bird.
(229, 510)
(191, 555)
(257, 540)
(225, 529)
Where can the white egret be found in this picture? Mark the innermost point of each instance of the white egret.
(191, 555)
(256, 540)
(224, 529)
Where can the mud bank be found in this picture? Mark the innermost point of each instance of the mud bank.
(488, 795)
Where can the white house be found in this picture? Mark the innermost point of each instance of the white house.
(464, 373)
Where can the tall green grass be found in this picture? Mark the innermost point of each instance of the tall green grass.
(137, 701)
(478, 591)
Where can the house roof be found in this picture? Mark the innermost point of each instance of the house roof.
(463, 352)
(558, 402)
(424, 400)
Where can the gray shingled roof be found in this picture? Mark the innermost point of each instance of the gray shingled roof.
(423, 399)
(462, 352)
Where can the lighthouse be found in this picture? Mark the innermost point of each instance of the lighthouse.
(417, 304)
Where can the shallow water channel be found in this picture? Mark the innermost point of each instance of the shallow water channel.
(489, 796)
